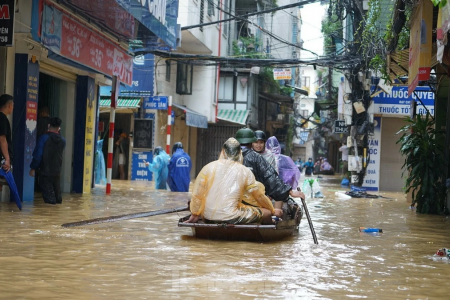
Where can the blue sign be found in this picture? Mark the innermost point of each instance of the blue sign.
(173, 117)
(156, 102)
(159, 16)
(143, 73)
(398, 102)
(30, 130)
(139, 171)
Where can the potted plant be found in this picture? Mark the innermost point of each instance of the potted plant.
(424, 164)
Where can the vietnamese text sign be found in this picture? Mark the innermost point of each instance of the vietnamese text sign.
(91, 109)
(160, 16)
(398, 103)
(71, 39)
(156, 102)
(139, 171)
(6, 22)
(420, 44)
(143, 134)
(372, 178)
(281, 74)
(340, 127)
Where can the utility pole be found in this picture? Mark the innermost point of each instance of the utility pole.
(330, 83)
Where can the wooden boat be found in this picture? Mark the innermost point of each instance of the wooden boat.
(287, 226)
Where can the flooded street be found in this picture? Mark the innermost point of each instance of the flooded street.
(151, 258)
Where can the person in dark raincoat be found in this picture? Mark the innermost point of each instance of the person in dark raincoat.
(263, 171)
(179, 169)
(159, 167)
(47, 159)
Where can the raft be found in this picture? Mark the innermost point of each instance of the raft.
(287, 226)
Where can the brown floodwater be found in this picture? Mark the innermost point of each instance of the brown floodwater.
(152, 258)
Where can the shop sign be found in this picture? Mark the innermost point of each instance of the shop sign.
(30, 124)
(156, 102)
(340, 126)
(6, 22)
(159, 16)
(139, 171)
(91, 109)
(282, 74)
(420, 45)
(372, 178)
(71, 39)
(398, 103)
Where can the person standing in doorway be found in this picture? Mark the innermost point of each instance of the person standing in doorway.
(179, 169)
(42, 122)
(6, 108)
(122, 147)
(47, 160)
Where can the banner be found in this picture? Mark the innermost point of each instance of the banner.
(6, 22)
(372, 178)
(420, 44)
(91, 109)
(398, 103)
(282, 74)
(71, 39)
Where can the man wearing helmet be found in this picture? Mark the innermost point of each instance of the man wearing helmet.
(260, 147)
(263, 171)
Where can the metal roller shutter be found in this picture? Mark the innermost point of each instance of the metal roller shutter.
(57, 72)
(391, 160)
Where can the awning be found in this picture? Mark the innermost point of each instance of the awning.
(193, 118)
(122, 102)
(234, 116)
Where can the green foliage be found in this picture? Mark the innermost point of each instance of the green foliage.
(424, 164)
(248, 52)
(331, 27)
(441, 3)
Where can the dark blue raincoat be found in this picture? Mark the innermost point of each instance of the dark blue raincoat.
(179, 171)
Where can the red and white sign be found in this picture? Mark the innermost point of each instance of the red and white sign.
(83, 45)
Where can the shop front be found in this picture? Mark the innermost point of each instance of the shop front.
(384, 171)
(58, 64)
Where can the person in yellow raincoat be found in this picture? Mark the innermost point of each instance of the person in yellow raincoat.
(219, 189)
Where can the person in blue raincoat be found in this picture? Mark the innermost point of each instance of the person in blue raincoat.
(179, 169)
(159, 167)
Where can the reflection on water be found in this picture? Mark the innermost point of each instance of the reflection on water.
(152, 258)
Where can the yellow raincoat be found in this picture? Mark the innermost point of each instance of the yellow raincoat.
(219, 190)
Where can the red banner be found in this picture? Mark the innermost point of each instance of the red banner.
(83, 45)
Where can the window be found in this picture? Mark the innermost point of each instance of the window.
(202, 11)
(184, 79)
(233, 92)
(227, 8)
(168, 70)
(211, 7)
(305, 82)
(305, 113)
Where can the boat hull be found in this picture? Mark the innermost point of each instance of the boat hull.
(251, 232)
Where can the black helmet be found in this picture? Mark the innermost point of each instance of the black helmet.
(245, 136)
(176, 146)
(260, 135)
(157, 150)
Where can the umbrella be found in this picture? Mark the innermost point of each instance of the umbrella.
(12, 186)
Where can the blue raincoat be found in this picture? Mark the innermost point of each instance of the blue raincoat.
(159, 167)
(179, 171)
